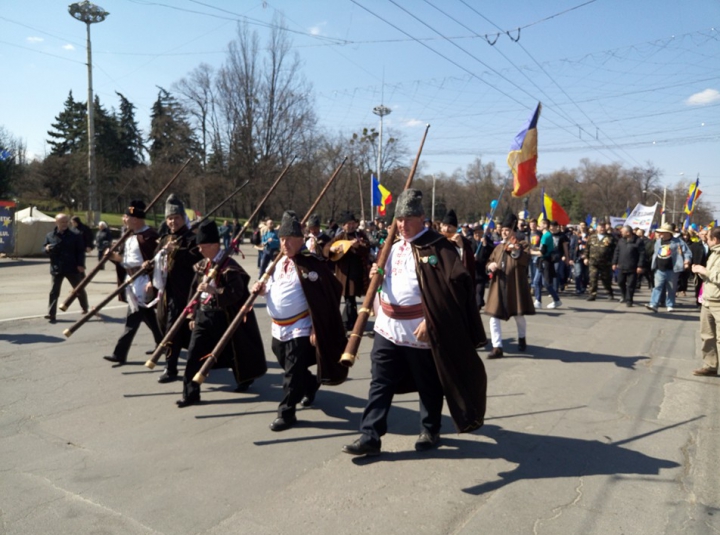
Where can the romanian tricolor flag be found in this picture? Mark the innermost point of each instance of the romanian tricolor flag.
(522, 158)
(553, 211)
(712, 224)
(381, 196)
(693, 195)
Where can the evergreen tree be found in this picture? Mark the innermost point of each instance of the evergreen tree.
(70, 129)
(131, 142)
(171, 138)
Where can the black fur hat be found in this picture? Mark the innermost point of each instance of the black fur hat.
(136, 209)
(208, 233)
(450, 218)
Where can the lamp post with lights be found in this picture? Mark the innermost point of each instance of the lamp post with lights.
(90, 13)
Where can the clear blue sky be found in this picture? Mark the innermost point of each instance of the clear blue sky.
(641, 76)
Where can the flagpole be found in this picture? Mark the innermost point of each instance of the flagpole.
(362, 204)
(662, 220)
(492, 210)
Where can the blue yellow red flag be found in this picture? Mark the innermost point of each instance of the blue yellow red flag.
(693, 196)
(522, 157)
(381, 196)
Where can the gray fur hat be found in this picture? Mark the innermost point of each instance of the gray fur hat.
(174, 206)
(409, 204)
(290, 226)
(313, 221)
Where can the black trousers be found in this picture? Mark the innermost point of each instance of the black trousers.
(132, 324)
(389, 363)
(480, 293)
(209, 327)
(627, 282)
(350, 312)
(295, 356)
(172, 355)
(57, 281)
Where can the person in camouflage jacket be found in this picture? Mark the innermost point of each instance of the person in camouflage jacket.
(598, 257)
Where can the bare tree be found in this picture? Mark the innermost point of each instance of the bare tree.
(264, 107)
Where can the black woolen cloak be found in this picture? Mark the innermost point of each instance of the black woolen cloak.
(323, 293)
(454, 326)
(245, 353)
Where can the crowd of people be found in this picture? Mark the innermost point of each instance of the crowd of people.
(436, 279)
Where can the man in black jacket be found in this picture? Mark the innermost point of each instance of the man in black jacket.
(628, 259)
(67, 261)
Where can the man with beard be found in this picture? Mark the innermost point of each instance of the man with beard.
(220, 301)
(172, 277)
(509, 288)
(350, 250)
(303, 300)
(427, 330)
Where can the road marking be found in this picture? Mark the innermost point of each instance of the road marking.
(58, 315)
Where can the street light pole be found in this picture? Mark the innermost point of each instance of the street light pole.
(662, 221)
(89, 14)
(381, 111)
(432, 217)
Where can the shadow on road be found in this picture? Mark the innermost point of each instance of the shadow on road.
(536, 457)
(549, 353)
(30, 338)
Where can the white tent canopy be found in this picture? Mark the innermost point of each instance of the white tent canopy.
(31, 227)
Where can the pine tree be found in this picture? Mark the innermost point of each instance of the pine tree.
(171, 138)
(131, 141)
(70, 129)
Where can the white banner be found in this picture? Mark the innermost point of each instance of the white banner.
(616, 222)
(642, 217)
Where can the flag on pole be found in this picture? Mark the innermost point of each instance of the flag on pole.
(553, 211)
(522, 158)
(712, 223)
(381, 196)
(693, 195)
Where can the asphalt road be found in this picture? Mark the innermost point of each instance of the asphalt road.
(598, 428)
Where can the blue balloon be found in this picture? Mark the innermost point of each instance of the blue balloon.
(493, 204)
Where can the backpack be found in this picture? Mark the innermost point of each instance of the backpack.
(256, 239)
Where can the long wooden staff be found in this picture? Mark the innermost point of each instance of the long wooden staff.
(195, 299)
(211, 359)
(353, 344)
(145, 269)
(83, 283)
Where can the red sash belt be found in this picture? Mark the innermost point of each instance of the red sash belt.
(398, 312)
(289, 321)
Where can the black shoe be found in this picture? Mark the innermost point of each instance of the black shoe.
(361, 448)
(244, 386)
(308, 399)
(427, 441)
(522, 344)
(186, 402)
(612, 298)
(85, 311)
(281, 424)
(167, 377)
(629, 304)
(113, 358)
(496, 353)
(150, 352)
(590, 298)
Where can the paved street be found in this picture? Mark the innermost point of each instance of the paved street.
(599, 428)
